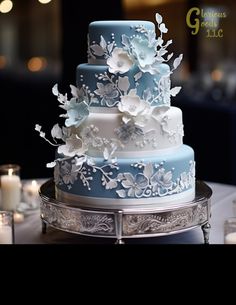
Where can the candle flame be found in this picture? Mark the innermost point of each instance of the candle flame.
(217, 75)
(10, 171)
(34, 183)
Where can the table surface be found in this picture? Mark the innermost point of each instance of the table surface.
(30, 231)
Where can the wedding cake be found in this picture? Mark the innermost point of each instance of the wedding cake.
(121, 145)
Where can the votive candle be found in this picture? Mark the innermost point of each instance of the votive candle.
(11, 190)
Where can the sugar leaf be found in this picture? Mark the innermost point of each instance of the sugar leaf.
(163, 28)
(110, 47)
(177, 61)
(158, 18)
(112, 184)
(125, 40)
(56, 132)
(51, 164)
(137, 76)
(121, 193)
(174, 91)
(38, 127)
(98, 50)
(106, 154)
(74, 91)
(103, 43)
(148, 170)
(170, 56)
(55, 90)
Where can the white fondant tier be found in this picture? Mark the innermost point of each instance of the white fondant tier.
(162, 133)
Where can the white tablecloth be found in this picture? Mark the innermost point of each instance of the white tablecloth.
(29, 232)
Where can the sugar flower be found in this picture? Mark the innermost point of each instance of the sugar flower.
(119, 62)
(128, 131)
(162, 179)
(135, 184)
(74, 146)
(143, 52)
(131, 104)
(77, 112)
(134, 109)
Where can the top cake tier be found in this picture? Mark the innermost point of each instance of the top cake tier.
(105, 35)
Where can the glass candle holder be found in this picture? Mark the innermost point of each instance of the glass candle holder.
(6, 227)
(10, 186)
(230, 231)
(31, 194)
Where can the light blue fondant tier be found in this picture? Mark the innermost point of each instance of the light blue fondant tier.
(153, 177)
(106, 91)
(114, 29)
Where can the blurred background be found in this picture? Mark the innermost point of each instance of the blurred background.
(42, 42)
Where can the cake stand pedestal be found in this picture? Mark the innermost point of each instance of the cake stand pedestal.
(127, 223)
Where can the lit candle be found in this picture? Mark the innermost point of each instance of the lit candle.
(18, 217)
(11, 190)
(31, 193)
(5, 232)
(230, 238)
(32, 188)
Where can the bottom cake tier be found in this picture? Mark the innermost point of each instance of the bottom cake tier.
(168, 178)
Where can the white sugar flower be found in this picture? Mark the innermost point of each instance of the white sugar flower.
(135, 184)
(162, 179)
(74, 146)
(131, 104)
(119, 62)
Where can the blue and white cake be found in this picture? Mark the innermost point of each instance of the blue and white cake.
(121, 145)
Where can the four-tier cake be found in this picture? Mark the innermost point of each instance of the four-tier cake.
(121, 145)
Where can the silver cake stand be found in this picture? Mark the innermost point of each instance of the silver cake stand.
(126, 223)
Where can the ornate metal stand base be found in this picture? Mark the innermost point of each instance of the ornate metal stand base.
(127, 223)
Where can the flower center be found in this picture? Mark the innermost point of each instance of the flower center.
(132, 108)
(120, 63)
(142, 55)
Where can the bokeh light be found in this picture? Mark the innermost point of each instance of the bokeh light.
(6, 6)
(36, 64)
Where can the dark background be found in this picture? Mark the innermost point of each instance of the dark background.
(26, 98)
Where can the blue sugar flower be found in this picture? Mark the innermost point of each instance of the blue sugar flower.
(143, 52)
(77, 112)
